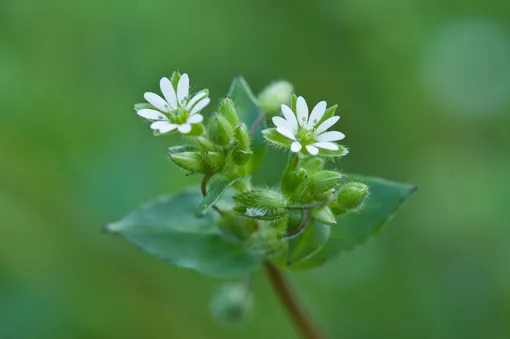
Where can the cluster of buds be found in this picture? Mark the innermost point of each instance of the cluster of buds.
(262, 218)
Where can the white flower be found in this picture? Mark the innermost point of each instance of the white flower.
(305, 130)
(176, 110)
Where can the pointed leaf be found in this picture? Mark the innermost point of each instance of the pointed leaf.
(168, 229)
(355, 228)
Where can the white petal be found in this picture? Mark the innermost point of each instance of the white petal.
(290, 117)
(281, 122)
(184, 129)
(302, 111)
(183, 88)
(160, 124)
(157, 101)
(151, 114)
(197, 97)
(295, 147)
(285, 132)
(200, 105)
(195, 119)
(168, 92)
(327, 145)
(312, 150)
(317, 114)
(326, 124)
(331, 136)
(167, 128)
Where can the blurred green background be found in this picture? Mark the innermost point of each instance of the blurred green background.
(423, 89)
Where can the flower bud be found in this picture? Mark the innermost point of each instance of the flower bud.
(260, 197)
(190, 161)
(228, 110)
(215, 159)
(241, 158)
(274, 95)
(232, 303)
(323, 181)
(350, 196)
(205, 144)
(324, 215)
(265, 243)
(242, 137)
(196, 130)
(220, 130)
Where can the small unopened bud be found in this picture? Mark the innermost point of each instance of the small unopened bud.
(274, 95)
(232, 303)
(261, 197)
(242, 137)
(220, 130)
(350, 197)
(205, 144)
(241, 157)
(215, 159)
(323, 181)
(265, 243)
(190, 161)
(324, 215)
(228, 110)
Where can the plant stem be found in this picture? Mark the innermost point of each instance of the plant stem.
(294, 233)
(281, 287)
(203, 188)
(257, 123)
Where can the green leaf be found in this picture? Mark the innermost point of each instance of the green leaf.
(354, 228)
(249, 112)
(168, 229)
(309, 242)
(217, 187)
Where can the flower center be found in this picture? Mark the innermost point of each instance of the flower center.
(305, 136)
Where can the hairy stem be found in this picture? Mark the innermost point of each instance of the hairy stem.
(282, 289)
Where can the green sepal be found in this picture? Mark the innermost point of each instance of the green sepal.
(271, 135)
(265, 243)
(323, 214)
(293, 102)
(196, 130)
(228, 110)
(144, 105)
(242, 137)
(174, 79)
(328, 114)
(261, 197)
(350, 197)
(323, 181)
(216, 160)
(312, 164)
(190, 161)
(342, 151)
(220, 131)
(206, 145)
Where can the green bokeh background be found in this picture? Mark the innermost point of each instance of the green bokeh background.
(423, 89)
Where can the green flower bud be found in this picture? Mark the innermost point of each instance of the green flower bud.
(215, 159)
(242, 137)
(350, 196)
(323, 181)
(232, 303)
(220, 130)
(263, 204)
(274, 95)
(190, 161)
(265, 243)
(241, 158)
(261, 197)
(228, 110)
(205, 144)
(324, 215)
